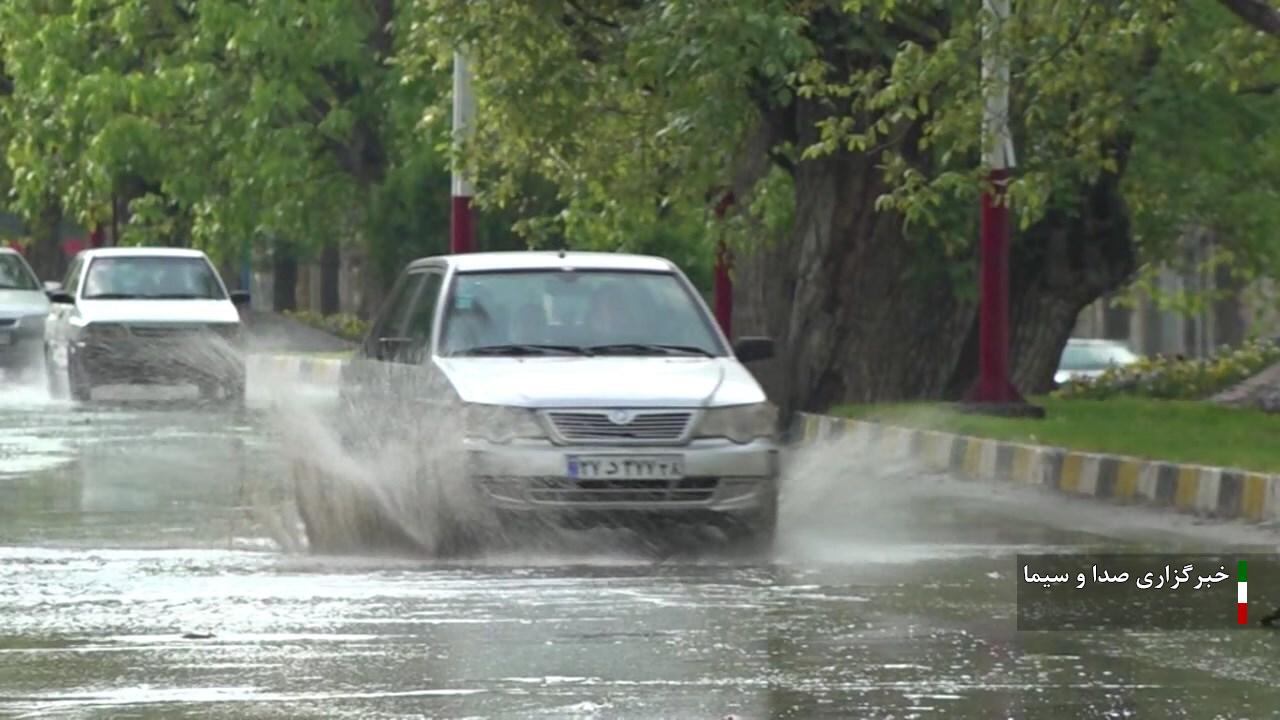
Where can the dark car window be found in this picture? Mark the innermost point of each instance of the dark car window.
(388, 331)
(151, 278)
(632, 312)
(421, 320)
(15, 275)
(72, 279)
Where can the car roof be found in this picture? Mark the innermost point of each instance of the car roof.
(548, 260)
(6, 250)
(142, 252)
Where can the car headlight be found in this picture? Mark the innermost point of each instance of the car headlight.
(501, 424)
(740, 423)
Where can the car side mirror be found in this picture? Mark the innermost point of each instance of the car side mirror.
(61, 297)
(240, 297)
(751, 349)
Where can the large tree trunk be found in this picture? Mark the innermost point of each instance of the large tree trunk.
(284, 262)
(330, 271)
(45, 253)
(855, 318)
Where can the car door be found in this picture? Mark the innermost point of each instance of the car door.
(384, 371)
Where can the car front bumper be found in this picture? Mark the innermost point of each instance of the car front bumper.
(719, 476)
(21, 342)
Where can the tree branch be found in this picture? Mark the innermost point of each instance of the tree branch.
(1259, 13)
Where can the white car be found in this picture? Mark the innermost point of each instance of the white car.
(1087, 358)
(145, 316)
(23, 309)
(586, 386)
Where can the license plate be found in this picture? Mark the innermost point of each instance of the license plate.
(626, 467)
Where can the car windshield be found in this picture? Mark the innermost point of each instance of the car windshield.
(1099, 356)
(575, 312)
(15, 275)
(152, 278)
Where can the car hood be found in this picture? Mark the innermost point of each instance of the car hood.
(158, 311)
(543, 382)
(19, 303)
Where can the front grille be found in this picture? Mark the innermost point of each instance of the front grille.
(554, 490)
(597, 426)
(159, 331)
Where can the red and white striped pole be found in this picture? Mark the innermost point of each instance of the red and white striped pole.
(993, 386)
(461, 227)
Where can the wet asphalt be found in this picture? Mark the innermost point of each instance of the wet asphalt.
(151, 566)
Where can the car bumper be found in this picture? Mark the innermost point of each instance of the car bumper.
(20, 346)
(719, 476)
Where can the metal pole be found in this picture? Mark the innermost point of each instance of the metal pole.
(993, 385)
(462, 229)
(723, 284)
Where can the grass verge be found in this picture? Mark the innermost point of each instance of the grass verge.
(1172, 431)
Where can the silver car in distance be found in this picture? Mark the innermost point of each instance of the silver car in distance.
(586, 387)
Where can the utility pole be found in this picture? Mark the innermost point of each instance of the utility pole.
(994, 392)
(461, 227)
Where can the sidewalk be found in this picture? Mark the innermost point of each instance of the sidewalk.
(1218, 492)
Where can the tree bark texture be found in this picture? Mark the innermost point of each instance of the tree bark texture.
(284, 262)
(45, 253)
(858, 317)
(330, 278)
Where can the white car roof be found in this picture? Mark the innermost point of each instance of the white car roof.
(549, 260)
(142, 252)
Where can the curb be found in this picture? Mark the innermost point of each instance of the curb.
(312, 370)
(1223, 493)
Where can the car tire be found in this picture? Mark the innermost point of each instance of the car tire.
(754, 532)
(79, 383)
(52, 377)
(340, 519)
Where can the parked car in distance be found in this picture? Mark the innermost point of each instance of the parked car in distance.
(128, 316)
(23, 309)
(590, 385)
(1087, 358)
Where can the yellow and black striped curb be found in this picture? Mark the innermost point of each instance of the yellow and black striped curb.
(1225, 493)
(313, 370)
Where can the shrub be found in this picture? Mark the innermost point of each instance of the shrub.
(344, 325)
(1173, 379)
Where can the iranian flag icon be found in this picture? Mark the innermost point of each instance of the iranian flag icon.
(1242, 594)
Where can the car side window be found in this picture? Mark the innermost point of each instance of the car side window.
(422, 318)
(73, 275)
(388, 333)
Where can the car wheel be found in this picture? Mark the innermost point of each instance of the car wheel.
(79, 384)
(754, 532)
(338, 518)
(52, 376)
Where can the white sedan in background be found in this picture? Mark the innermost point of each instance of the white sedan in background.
(129, 316)
(1087, 358)
(23, 308)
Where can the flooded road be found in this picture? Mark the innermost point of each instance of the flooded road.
(150, 568)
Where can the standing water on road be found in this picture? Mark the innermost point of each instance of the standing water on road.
(152, 565)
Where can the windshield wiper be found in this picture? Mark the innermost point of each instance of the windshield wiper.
(113, 296)
(525, 349)
(648, 349)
